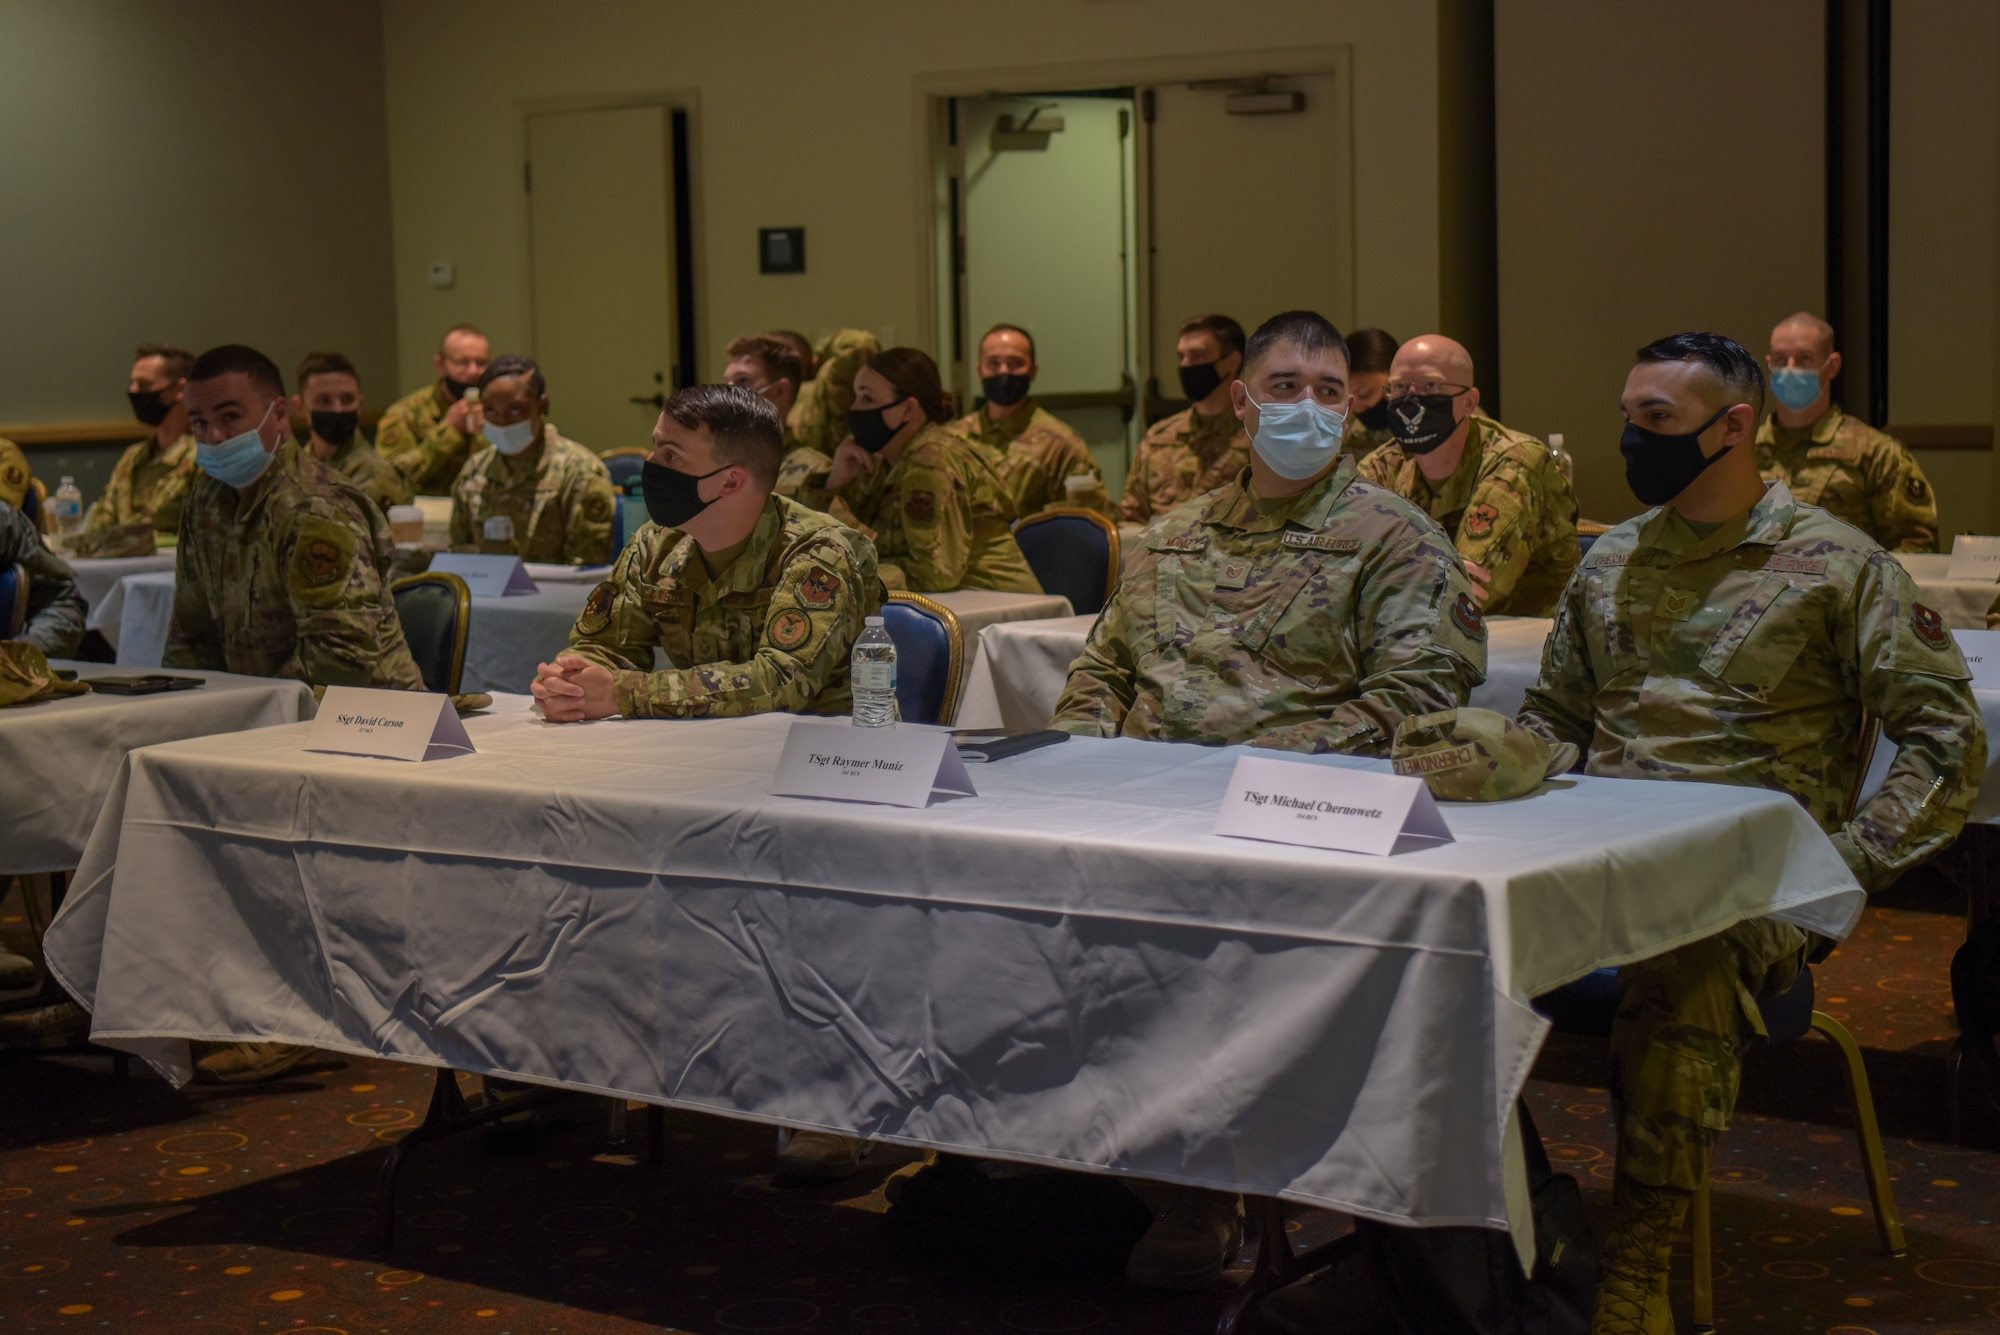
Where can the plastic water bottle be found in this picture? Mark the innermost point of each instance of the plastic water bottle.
(1562, 456)
(66, 508)
(872, 677)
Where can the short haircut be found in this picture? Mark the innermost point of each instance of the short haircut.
(515, 364)
(324, 363)
(177, 360)
(1812, 322)
(745, 427)
(1228, 334)
(1308, 331)
(1009, 329)
(913, 375)
(808, 360)
(472, 329)
(234, 357)
(1732, 368)
(1371, 349)
(779, 359)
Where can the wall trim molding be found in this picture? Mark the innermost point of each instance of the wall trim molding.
(1943, 435)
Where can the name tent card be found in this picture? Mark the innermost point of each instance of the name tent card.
(1355, 811)
(1974, 558)
(1982, 654)
(896, 767)
(487, 576)
(398, 725)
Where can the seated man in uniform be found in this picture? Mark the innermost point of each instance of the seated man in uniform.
(1500, 494)
(1202, 446)
(429, 435)
(330, 395)
(152, 476)
(55, 612)
(1736, 635)
(531, 492)
(769, 365)
(1377, 622)
(1036, 451)
(1837, 462)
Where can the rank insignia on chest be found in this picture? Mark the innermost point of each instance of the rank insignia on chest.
(1183, 542)
(1929, 626)
(1320, 542)
(1676, 604)
(596, 610)
(1234, 575)
(921, 507)
(1465, 614)
(790, 629)
(818, 587)
(1480, 519)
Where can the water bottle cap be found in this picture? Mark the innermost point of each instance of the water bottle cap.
(67, 481)
(871, 621)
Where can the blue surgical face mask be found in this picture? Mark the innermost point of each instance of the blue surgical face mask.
(1795, 387)
(1298, 440)
(238, 461)
(511, 438)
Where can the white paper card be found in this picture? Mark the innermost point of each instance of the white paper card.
(1356, 811)
(1982, 654)
(1974, 558)
(486, 576)
(896, 767)
(400, 725)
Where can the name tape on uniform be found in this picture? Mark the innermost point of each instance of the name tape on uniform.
(1982, 654)
(898, 767)
(1355, 811)
(397, 725)
(487, 576)
(1974, 558)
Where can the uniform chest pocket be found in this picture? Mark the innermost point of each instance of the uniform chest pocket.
(1760, 635)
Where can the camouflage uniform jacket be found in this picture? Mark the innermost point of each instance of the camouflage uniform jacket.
(772, 632)
(414, 436)
(15, 479)
(288, 581)
(1035, 452)
(1748, 656)
(1361, 440)
(1855, 473)
(558, 494)
(800, 464)
(940, 518)
(54, 621)
(1508, 506)
(1315, 624)
(1181, 457)
(819, 416)
(147, 487)
(372, 475)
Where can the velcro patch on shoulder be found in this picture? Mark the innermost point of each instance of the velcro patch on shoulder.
(1180, 542)
(596, 613)
(1318, 542)
(1797, 565)
(322, 559)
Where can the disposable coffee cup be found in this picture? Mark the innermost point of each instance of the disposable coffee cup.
(406, 523)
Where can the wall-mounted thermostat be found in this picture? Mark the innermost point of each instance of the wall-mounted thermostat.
(440, 274)
(781, 250)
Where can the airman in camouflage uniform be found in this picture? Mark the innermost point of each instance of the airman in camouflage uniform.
(15, 479)
(1180, 457)
(800, 465)
(427, 435)
(55, 614)
(1035, 452)
(940, 518)
(818, 419)
(1248, 622)
(1508, 506)
(771, 632)
(1744, 652)
(147, 487)
(557, 493)
(372, 475)
(287, 581)
(1855, 473)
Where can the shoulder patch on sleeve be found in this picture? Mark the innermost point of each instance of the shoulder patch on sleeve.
(818, 587)
(1465, 614)
(1915, 488)
(789, 629)
(322, 559)
(596, 506)
(596, 609)
(920, 506)
(1480, 519)
(1929, 626)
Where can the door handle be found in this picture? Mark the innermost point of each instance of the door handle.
(658, 400)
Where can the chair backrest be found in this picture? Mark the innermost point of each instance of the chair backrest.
(627, 518)
(1073, 552)
(35, 504)
(930, 647)
(625, 465)
(13, 601)
(436, 612)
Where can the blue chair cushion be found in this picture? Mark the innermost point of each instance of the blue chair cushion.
(1587, 1005)
(12, 614)
(428, 614)
(923, 661)
(624, 469)
(1585, 541)
(1070, 556)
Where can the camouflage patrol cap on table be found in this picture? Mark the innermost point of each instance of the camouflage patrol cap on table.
(1476, 755)
(25, 676)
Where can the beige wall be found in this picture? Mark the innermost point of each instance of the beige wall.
(200, 172)
(1652, 179)
(810, 114)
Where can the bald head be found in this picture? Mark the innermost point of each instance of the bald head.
(1431, 357)
(1803, 328)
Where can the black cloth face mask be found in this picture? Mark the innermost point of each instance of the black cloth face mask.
(673, 497)
(1200, 380)
(1005, 390)
(455, 388)
(1659, 467)
(1376, 418)
(148, 406)
(335, 428)
(868, 428)
(1421, 422)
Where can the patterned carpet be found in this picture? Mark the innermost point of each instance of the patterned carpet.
(126, 1206)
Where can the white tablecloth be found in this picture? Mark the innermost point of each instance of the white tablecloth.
(1066, 969)
(58, 758)
(1018, 670)
(100, 581)
(1962, 603)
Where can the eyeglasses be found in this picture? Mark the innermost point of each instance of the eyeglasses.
(1403, 389)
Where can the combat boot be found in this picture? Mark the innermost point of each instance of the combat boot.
(16, 971)
(250, 1063)
(820, 1154)
(46, 1028)
(1632, 1275)
(1196, 1233)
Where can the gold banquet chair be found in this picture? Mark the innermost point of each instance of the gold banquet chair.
(930, 657)
(435, 610)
